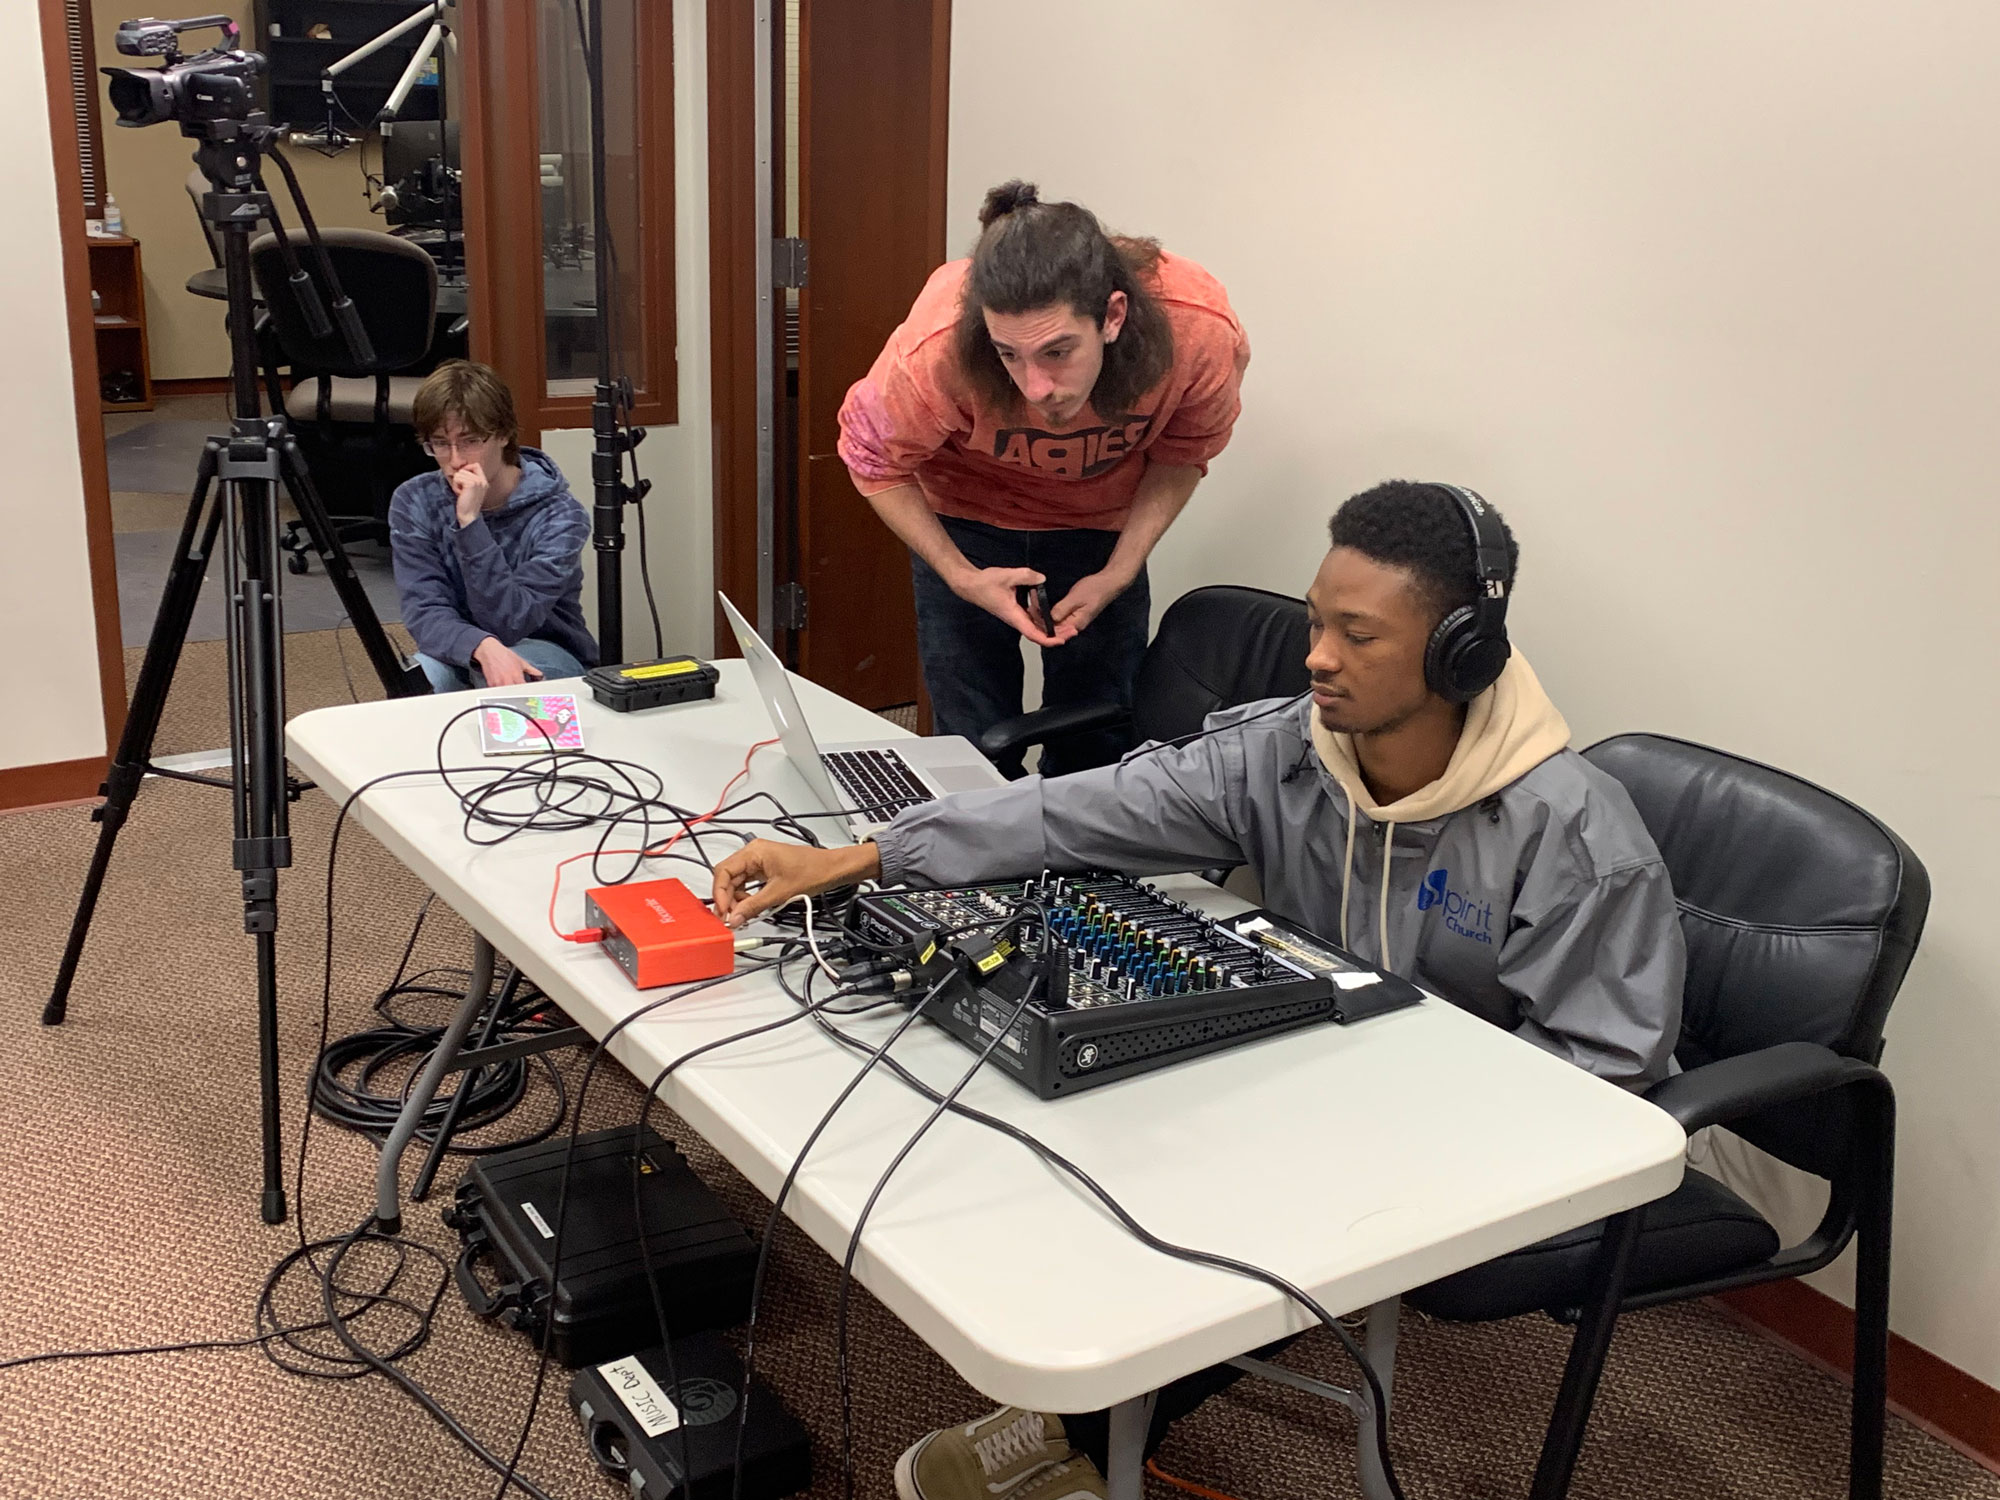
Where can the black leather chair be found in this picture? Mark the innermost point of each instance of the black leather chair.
(352, 416)
(1801, 914)
(1216, 647)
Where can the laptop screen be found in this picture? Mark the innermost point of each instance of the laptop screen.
(774, 686)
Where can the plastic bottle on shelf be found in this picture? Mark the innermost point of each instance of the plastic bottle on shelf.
(114, 217)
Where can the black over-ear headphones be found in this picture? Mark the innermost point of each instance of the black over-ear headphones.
(1469, 648)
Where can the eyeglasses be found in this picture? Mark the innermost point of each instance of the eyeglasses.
(437, 446)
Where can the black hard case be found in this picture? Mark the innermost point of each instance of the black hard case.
(777, 1451)
(632, 686)
(505, 1212)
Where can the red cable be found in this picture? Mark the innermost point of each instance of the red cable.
(596, 934)
(1153, 1468)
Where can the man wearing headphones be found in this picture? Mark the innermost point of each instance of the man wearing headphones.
(1424, 809)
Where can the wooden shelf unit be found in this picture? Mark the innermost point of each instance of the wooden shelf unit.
(120, 317)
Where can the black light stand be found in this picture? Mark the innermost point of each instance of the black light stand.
(612, 439)
(255, 458)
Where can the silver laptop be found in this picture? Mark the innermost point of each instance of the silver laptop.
(869, 780)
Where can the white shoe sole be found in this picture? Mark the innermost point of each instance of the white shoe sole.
(906, 1469)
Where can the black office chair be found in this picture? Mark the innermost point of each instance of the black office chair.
(1216, 647)
(1801, 914)
(352, 416)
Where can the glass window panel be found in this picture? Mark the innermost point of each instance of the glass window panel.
(569, 268)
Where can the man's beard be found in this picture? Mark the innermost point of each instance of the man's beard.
(1396, 721)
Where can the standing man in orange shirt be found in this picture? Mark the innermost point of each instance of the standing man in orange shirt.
(1031, 431)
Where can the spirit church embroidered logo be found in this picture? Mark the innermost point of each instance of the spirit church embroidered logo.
(1462, 914)
(1069, 455)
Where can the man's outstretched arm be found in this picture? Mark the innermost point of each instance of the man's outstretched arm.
(1156, 812)
(765, 874)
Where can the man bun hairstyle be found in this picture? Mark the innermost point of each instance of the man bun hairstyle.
(1422, 529)
(473, 393)
(1032, 254)
(1004, 199)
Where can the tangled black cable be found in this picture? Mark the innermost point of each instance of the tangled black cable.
(559, 791)
(489, 1093)
(598, 1054)
(1378, 1397)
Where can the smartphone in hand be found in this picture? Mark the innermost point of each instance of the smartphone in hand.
(1034, 601)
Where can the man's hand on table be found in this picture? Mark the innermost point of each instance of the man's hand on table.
(780, 872)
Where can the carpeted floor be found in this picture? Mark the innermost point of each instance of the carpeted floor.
(151, 458)
(129, 1218)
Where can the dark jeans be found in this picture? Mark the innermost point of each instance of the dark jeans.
(972, 660)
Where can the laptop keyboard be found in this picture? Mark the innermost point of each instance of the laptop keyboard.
(879, 783)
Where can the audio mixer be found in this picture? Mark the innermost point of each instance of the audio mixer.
(1120, 977)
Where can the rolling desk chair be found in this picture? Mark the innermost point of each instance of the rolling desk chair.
(353, 417)
(1216, 647)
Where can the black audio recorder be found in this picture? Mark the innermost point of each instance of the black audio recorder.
(1126, 978)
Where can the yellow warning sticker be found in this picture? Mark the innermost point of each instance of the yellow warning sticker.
(661, 669)
(991, 962)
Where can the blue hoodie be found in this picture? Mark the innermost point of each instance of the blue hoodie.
(513, 573)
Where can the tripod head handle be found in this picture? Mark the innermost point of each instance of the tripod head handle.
(306, 295)
(358, 343)
(360, 347)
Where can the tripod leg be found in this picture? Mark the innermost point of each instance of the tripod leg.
(142, 721)
(263, 828)
(400, 678)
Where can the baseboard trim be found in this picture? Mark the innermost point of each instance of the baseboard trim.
(1940, 1398)
(60, 781)
(206, 385)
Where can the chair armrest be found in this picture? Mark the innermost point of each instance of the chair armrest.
(1046, 724)
(1728, 1090)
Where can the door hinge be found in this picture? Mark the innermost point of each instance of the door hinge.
(788, 262)
(789, 606)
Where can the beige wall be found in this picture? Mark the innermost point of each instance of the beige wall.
(679, 512)
(1702, 296)
(45, 602)
(146, 170)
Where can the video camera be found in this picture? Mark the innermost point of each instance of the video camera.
(218, 84)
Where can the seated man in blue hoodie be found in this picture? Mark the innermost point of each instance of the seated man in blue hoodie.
(1435, 822)
(488, 550)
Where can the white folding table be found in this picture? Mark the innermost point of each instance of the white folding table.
(1355, 1161)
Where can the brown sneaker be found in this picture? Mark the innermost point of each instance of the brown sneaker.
(1009, 1454)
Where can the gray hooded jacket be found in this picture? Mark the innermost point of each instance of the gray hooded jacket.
(1521, 885)
(513, 573)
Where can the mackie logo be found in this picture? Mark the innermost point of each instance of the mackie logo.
(1462, 914)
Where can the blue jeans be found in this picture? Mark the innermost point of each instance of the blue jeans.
(972, 660)
(550, 658)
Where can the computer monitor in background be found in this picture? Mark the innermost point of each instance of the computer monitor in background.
(408, 144)
(420, 176)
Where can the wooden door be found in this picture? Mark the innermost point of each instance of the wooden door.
(872, 114)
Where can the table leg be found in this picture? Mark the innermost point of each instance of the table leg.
(388, 1188)
(1379, 1344)
(1125, 1466)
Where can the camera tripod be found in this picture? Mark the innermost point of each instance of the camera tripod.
(254, 461)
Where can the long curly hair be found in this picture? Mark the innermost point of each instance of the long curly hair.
(1032, 255)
